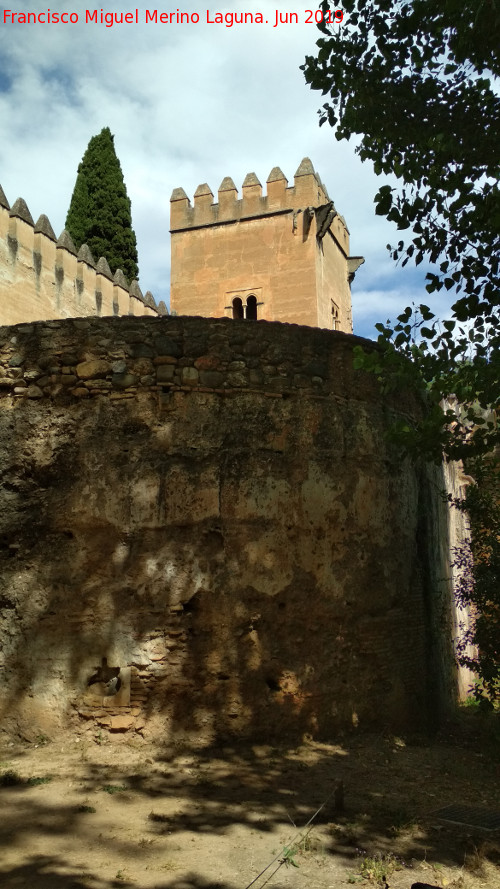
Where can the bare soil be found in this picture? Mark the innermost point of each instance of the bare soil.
(121, 812)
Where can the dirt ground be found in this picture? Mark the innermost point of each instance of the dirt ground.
(120, 812)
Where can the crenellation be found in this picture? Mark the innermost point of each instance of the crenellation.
(43, 227)
(277, 185)
(121, 296)
(136, 305)
(20, 210)
(104, 288)
(3, 200)
(180, 209)
(252, 196)
(203, 202)
(308, 189)
(85, 255)
(85, 282)
(44, 278)
(20, 240)
(228, 198)
(4, 220)
(65, 241)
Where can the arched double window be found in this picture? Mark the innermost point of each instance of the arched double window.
(247, 311)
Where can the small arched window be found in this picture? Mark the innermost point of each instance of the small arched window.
(237, 307)
(251, 308)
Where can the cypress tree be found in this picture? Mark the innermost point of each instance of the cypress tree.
(99, 213)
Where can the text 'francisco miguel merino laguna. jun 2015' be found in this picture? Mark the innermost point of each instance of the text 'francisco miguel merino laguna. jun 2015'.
(275, 18)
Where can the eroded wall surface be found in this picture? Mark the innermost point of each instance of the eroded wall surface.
(209, 509)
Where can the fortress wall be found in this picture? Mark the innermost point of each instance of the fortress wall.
(210, 505)
(43, 278)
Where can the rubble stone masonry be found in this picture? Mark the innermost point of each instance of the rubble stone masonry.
(205, 533)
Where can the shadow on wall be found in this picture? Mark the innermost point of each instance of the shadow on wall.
(250, 565)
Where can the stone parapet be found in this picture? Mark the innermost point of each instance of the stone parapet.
(165, 355)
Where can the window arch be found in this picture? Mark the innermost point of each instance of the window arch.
(237, 307)
(251, 308)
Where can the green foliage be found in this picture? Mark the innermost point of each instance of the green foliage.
(458, 388)
(376, 868)
(415, 82)
(289, 853)
(100, 214)
(113, 788)
(12, 779)
(478, 588)
(35, 781)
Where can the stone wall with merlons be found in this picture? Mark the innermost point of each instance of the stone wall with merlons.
(204, 533)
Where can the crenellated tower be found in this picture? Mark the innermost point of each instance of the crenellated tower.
(283, 256)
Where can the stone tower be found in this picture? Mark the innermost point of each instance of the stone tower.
(279, 257)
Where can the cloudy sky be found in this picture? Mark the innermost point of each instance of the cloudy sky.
(187, 103)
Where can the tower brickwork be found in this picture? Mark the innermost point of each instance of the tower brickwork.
(283, 256)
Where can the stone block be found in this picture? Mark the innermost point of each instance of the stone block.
(211, 378)
(190, 376)
(121, 723)
(89, 370)
(165, 373)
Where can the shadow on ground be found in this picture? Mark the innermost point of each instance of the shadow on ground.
(147, 799)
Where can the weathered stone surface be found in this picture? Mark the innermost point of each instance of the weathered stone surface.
(274, 555)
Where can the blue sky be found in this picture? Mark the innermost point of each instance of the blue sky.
(187, 103)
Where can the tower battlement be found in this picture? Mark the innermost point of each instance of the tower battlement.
(308, 190)
(286, 251)
(43, 277)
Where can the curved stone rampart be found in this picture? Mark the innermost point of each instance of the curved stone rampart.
(209, 511)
